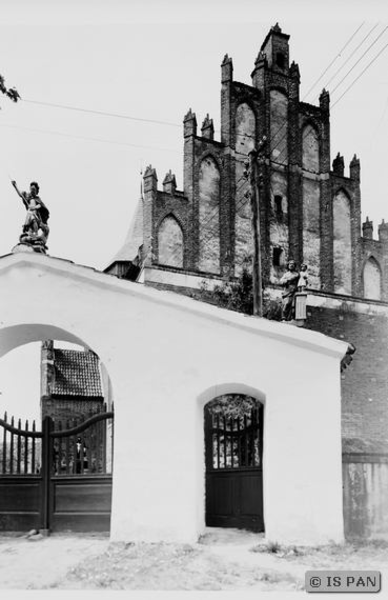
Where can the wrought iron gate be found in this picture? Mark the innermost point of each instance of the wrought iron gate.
(234, 477)
(56, 479)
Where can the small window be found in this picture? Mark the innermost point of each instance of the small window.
(278, 200)
(280, 60)
(277, 256)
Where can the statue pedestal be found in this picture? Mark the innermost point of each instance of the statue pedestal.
(22, 247)
(300, 308)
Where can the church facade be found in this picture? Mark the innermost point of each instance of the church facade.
(310, 211)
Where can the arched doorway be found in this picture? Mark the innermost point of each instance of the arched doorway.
(56, 473)
(234, 462)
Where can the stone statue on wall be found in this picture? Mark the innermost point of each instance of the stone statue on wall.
(290, 283)
(303, 278)
(35, 229)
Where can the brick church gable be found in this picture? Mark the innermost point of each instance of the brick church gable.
(310, 211)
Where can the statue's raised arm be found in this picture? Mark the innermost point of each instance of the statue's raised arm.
(35, 228)
(23, 195)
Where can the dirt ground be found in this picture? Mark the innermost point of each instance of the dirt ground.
(227, 560)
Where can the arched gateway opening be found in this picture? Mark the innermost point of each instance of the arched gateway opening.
(56, 472)
(234, 462)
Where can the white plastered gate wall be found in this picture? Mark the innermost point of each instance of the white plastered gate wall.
(167, 356)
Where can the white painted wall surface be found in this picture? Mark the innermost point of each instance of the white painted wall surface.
(168, 355)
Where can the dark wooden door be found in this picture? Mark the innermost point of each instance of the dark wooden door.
(234, 475)
(57, 479)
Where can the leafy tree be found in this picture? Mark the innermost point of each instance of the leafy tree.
(237, 295)
(232, 405)
(12, 93)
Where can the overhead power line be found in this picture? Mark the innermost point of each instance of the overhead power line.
(350, 56)
(361, 57)
(333, 61)
(284, 124)
(102, 113)
(362, 72)
(90, 139)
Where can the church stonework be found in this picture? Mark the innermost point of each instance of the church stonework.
(310, 207)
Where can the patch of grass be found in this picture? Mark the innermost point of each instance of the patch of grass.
(269, 547)
(271, 577)
(297, 551)
(276, 577)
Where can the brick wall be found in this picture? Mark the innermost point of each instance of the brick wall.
(365, 381)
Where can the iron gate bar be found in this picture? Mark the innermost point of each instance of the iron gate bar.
(9, 448)
(78, 428)
(26, 450)
(33, 448)
(12, 429)
(245, 442)
(47, 453)
(12, 438)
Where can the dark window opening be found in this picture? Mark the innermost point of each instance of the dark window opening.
(277, 256)
(280, 60)
(278, 205)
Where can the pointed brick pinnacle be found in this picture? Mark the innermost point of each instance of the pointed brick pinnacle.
(189, 115)
(169, 178)
(207, 122)
(150, 172)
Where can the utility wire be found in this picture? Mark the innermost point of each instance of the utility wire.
(346, 75)
(92, 139)
(349, 57)
(361, 57)
(102, 113)
(143, 120)
(333, 61)
(366, 51)
(362, 72)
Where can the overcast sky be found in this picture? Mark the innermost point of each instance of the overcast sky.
(152, 61)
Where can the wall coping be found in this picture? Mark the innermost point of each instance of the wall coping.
(283, 332)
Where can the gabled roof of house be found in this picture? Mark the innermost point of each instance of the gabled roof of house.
(76, 373)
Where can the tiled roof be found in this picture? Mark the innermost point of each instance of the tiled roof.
(76, 373)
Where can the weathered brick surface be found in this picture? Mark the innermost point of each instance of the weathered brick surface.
(365, 381)
(313, 228)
